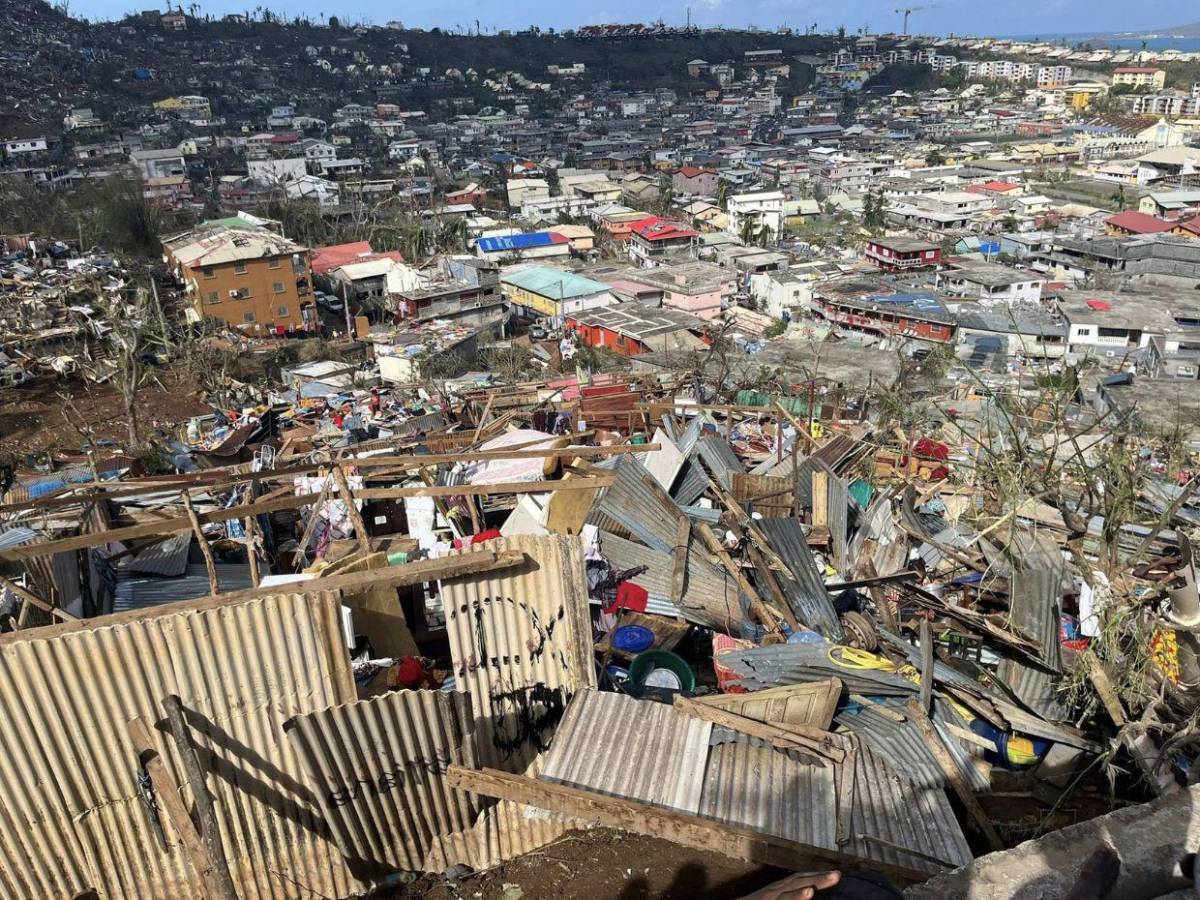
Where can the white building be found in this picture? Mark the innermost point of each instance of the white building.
(764, 208)
(989, 283)
(269, 171)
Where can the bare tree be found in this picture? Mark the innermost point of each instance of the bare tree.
(132, 338)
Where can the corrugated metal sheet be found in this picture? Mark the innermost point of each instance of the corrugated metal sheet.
(67, 789)
(719, 459)
(772, 792)
(902, 744)
(1035, 612)
(168, 557)
(521, 643)
(807, 595)
(144, 591)
(623, 747)
(521, 646)
(780, 664)
(900, 814)
(690, 484)
(377, 767)
(710, 597)
(636, 510)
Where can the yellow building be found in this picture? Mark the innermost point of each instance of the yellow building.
(1140, 76)
(191, 107)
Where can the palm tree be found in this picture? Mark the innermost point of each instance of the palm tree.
(722, 192)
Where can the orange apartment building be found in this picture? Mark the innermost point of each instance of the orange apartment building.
(249, 278)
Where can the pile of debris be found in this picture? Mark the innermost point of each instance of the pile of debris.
(378, 632)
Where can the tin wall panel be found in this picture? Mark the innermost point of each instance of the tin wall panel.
(639, 749)
(807, 595)
(902, 815)
(67, 790)
(377, 767)
(773, 792)
(521, 646)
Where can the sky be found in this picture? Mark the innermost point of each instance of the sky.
(1000, 17)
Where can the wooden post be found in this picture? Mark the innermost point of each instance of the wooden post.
(210, 564)
(487, 407)
(955, 778)
(680, 828)
(166, 792)
(209, 830)
(311, 526)
(764, 576)
(32, 599)
(820, 499)
(250, 525)
(356, 519)
(683, 536)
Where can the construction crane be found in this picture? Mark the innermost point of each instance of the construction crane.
(907, 10)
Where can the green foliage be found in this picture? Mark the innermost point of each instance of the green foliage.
(109, 213)
(775, 329)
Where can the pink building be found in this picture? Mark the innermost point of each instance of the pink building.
(699, 288)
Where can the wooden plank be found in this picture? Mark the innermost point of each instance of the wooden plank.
(769, 619)
(785, 737)
(764, 576)
(210, 832)
(310, 526)
(812, 704)
(166, 793)
(954, 777)
(642, 818)
(422, 571)
(250, 526)
(32, 599)
(356, 519)
(230, 476)
(926, 665)
(294, 501)
(820, 499)
(210, 564)
(683, 537)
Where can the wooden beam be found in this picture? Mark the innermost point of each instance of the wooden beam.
(680, 828)
(757, 606)
(295, 501)
(230, 476)
(926, 697)
(210, 564)
(32, 599)
(820, 499)
(683, 537)
(955, 777)
(356, 519)
(785, 737)
(250, 526)
(474, 562)
(310, 526)
(763, 575)
(166, 793)
(210, 832)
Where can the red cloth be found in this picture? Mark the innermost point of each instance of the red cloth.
(490, 535)
(630, 596)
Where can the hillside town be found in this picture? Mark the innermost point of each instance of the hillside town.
(638, 460)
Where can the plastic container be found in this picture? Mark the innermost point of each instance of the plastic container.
(632, 639)
(661, 668)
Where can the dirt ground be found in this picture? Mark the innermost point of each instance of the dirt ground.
(603, 864)
(32, 420)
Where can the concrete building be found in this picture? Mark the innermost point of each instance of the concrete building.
(990, 283)
(763, 208)
(251, 279)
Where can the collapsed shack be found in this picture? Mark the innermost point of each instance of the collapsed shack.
(441, 632)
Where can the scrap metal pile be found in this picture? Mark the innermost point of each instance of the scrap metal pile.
(380, 632)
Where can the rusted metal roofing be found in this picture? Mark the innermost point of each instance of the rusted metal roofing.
(377, 767)
(67, 766)
(779, 664)
(616, 745)
(521, 643)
